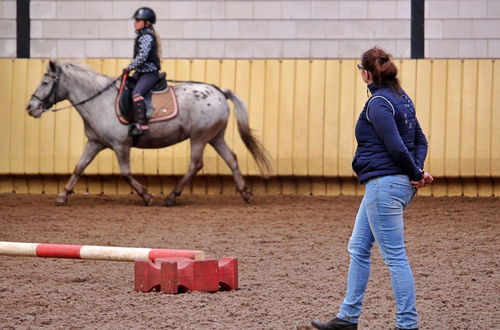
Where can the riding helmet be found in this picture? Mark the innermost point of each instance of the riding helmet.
(146, 14)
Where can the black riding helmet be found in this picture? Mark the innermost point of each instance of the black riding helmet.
(146, 14)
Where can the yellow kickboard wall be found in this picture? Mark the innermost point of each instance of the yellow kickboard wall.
(303, 111)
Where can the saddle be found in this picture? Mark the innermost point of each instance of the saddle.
(161, 102)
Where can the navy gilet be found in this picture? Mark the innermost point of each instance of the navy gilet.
(390, 140)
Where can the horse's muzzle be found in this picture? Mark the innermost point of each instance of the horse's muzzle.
(34, 110)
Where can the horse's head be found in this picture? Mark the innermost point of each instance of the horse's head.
(47, 93)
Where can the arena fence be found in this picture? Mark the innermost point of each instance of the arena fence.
(304, 112)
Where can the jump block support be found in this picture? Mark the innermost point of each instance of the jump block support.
(177, 274)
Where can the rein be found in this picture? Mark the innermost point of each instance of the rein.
(89, 98)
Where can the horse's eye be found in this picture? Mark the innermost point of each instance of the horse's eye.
(44, 83)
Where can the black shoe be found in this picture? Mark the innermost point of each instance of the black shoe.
(334, 324)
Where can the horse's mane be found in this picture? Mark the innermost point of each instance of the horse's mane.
(82, 75)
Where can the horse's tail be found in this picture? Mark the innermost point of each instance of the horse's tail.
(256, 148)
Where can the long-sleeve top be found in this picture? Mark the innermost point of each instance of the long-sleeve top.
(390, 139)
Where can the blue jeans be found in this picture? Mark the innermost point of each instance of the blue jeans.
(380, 219)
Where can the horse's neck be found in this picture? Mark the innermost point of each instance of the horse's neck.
(97, 111)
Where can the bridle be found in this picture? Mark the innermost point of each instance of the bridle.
(45, 102)
(52, 93)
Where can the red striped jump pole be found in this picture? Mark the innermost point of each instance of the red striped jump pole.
(112, 253)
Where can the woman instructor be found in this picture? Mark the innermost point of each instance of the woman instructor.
(389, 161)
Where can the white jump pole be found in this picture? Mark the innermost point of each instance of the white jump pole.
(112, 253)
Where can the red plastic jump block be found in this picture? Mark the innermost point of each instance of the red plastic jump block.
(173, 275)
(228, 273)
(147, 275)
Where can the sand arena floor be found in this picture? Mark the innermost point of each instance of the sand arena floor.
(292, 254)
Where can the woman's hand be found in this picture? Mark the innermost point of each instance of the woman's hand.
(426, 179)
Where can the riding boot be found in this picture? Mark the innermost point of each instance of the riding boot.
(140, 125)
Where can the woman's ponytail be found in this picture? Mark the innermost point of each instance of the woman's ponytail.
(158, 41)
(384, 71)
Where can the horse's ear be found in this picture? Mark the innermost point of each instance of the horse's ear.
(53, 65)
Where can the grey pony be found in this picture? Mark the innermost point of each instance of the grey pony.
(202, 118)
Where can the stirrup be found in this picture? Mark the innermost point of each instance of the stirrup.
(136, 129)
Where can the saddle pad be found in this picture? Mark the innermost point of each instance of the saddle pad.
(164, 107)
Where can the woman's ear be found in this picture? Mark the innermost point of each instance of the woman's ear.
(369, 75)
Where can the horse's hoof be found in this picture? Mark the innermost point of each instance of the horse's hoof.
(169, 201)
(61, 200)
(247, 196)
(148, 199)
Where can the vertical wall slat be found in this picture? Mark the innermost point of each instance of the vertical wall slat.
(483, 123)
(7, 68)
(256, 107)
(495, 124)
(408, 77)
(316, 127)
(285, 122)
(18, 116)
(300, 137)
(331, 123)
(469, 103)
(32, 125)
(347, 105)
(437, 119)
(270, 133)
(453, 118)
(241, 86)
(422, 98)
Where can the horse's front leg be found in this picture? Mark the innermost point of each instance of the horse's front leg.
(123, 156)
(91, 149)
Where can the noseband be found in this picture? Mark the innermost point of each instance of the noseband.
(52, 93)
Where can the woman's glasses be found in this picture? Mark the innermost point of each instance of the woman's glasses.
(360, 67)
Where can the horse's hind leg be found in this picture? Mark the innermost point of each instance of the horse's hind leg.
(91, 149)
(229, 157)
(123, 157)
(195, 164)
